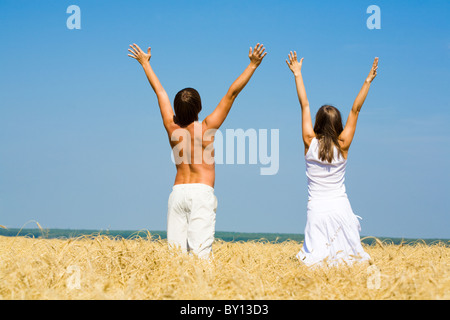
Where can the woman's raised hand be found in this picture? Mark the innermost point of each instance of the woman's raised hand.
(373, 71)
(294, 64)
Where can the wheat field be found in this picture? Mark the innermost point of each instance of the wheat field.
(101, 267)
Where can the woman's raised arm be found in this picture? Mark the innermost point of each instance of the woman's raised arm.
(307, 128)
(348, 133)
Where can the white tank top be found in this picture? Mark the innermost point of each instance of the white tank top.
(325, 180)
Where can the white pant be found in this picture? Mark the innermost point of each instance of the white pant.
(191, 218)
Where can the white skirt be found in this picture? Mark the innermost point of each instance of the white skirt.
(331, 234)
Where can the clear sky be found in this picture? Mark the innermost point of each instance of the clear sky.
(82, 144)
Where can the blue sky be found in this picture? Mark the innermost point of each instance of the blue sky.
(81, 139)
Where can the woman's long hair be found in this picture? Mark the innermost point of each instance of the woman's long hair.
(327, 128)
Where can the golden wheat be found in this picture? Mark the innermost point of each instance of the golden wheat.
(100, 267)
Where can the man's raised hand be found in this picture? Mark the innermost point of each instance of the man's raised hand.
(137, 53)
(257, 54)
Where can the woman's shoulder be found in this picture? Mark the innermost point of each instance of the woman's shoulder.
(308, 142)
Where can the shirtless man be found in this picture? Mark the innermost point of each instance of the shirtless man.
(192, 204)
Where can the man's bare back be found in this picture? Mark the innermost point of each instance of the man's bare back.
(188, 147)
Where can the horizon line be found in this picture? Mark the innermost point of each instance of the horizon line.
(162, 233)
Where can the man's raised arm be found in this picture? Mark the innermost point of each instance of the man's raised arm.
(218, 116)
(163, 99)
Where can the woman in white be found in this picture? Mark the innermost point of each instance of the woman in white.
(332, 229)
